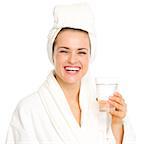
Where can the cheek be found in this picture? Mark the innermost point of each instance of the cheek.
(58, 60)
(85, 62)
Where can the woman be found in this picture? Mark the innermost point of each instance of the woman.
(64, 109)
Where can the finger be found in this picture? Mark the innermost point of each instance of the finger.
(118, 114)
(118, 106)
(117, 99)
(117, 94)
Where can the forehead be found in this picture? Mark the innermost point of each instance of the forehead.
(72, 30)
(72, 38)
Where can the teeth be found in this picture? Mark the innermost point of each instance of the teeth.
(72, 69)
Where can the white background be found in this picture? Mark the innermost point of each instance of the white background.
(123, 43)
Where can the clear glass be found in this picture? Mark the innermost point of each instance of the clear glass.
(103, 91)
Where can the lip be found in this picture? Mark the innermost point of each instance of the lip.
(76, 69)
(72, 67)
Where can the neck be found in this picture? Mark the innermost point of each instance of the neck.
(71, 91)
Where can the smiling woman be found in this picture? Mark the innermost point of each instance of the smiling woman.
(71, 55)
(64, 109)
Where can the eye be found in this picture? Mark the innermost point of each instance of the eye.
(84, 53)
(63, 51)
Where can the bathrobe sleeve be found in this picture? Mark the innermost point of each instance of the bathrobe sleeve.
(20, 128)
(129, 134)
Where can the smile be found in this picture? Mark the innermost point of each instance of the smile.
(72, 68)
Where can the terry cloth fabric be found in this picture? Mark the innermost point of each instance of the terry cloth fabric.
(46, 118)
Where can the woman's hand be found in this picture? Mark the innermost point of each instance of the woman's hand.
(118, 102)
(118, 114)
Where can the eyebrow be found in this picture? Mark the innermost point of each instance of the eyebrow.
(83, 49)
(62, 47)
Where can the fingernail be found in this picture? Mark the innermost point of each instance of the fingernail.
(110, 97)
(109, 101)
(116, 93)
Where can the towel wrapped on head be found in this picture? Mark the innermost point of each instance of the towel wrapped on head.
(76, 16)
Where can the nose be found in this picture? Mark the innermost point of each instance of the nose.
(72, 58)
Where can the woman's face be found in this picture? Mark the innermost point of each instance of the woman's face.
(71, 55)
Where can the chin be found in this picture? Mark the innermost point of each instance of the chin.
(72, 80)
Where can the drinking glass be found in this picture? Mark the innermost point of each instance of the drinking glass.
(105, 89)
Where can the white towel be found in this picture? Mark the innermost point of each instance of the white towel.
(78, 16)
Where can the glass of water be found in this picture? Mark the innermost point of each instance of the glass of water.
(105, 89)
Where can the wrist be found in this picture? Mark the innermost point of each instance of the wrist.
(118, 131)
(117, 121)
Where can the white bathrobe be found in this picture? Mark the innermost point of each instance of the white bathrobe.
(45, 118)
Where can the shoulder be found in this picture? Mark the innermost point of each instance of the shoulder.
(28, 106)
(29, 101)
(26, 110)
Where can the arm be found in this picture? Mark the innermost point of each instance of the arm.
(118, 132)
(117, 116)
(20, 127)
